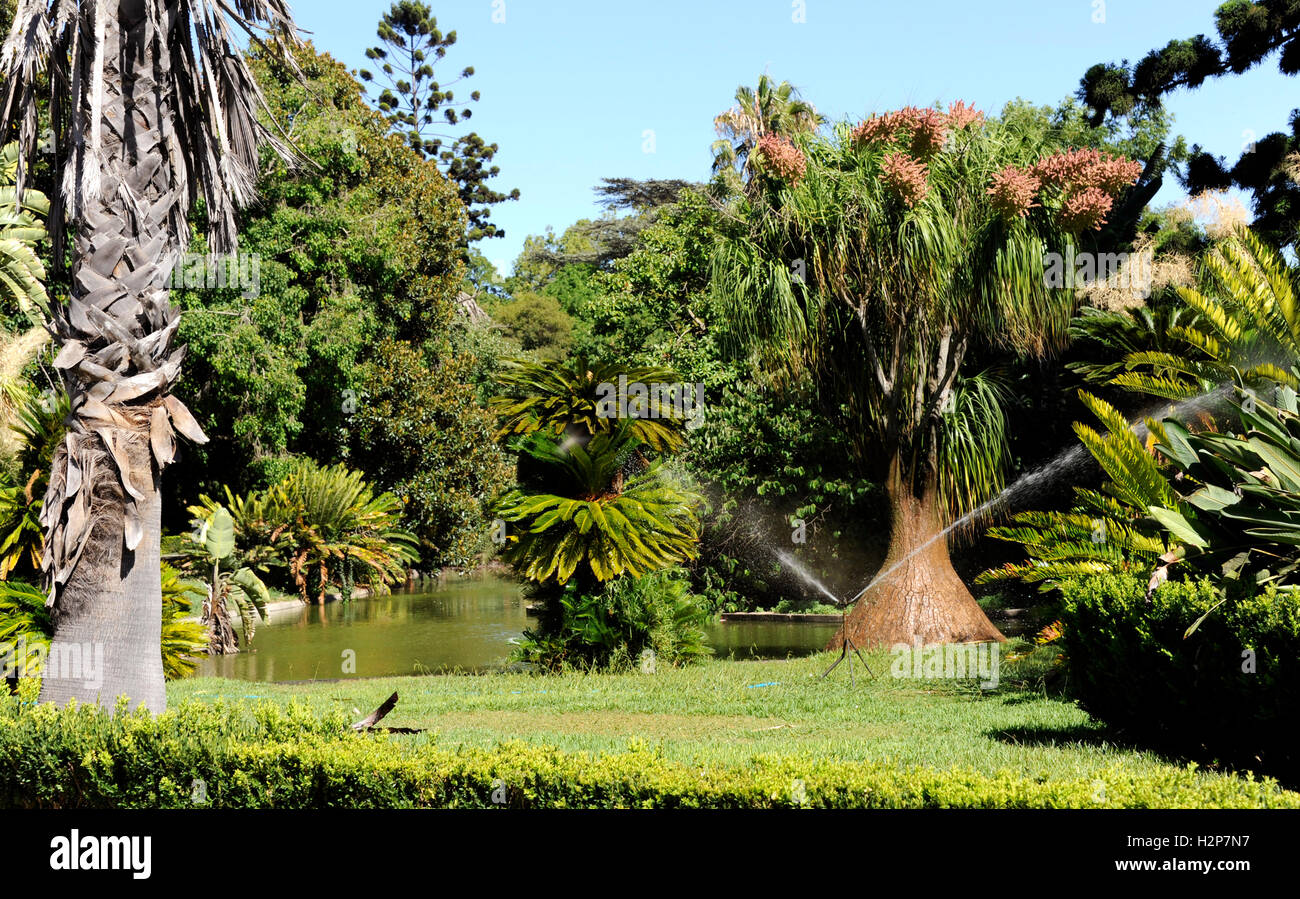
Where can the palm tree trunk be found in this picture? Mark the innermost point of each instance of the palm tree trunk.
(102, 511)
(919, 595)
(110, 611)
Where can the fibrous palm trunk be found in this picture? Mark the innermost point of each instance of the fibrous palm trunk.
(918, 595)
(102, 510)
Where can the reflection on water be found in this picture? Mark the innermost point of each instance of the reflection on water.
(464, 625)
(768, 639)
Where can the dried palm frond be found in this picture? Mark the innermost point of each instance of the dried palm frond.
(215, 134)
(152, 107)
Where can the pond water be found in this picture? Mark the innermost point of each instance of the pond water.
(464, 625)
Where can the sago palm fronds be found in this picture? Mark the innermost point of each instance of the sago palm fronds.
(21, 537)
(183, 637)
(1247, 320)
(1107, 529)
(16, 352)
(598, 520)
(326, 524)
(23, 614)
(22, 275)
(593, 398)
(1120, 334)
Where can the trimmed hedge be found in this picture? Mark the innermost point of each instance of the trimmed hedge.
(265, 756)
(1131, 667)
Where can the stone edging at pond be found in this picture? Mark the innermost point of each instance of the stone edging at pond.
(793, 617)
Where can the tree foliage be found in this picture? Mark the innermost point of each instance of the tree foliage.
(420, 433)
(358, 245)
(412, 96)
(1248, 33)
(1245, 323)
(902, 247)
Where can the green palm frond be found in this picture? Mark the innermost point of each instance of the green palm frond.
(22, 538)
(184, 640)
(1246, 323)
(553, 397)
(1107, 530)
(23, 614)
(326, 525)
(22, 274)
(769, 108)
(603, 522)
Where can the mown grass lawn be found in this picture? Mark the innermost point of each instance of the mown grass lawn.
(728, 712)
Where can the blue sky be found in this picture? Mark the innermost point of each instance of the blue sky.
(570, 88)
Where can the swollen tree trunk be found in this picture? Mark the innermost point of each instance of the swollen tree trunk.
(917, 595)
(102, 509)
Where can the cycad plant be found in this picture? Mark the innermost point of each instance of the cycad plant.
(339, 531)
(36, 427)
(152, 106)
(582, 399)
(1246, 325)
(602, 515)
(1225, 504)
(1121, 334)
(184, 639)
(594, 507)
(21, 535)
(1108, 529)
(22, 275)
(22, 281)
(326, 525)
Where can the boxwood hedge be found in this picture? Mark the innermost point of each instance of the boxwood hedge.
(1230, 691)
(267, 756)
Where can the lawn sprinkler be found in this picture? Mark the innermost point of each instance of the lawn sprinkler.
(846, 645)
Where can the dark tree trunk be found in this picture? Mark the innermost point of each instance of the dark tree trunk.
(919, 596)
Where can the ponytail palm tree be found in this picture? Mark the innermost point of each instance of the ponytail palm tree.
(152, 106)
(770, 108)
(875, 261)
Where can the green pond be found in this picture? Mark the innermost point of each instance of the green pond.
(465, 625)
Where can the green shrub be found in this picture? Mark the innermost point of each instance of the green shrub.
(326, 526)
(614, 626)
(264, 756)
(1131, 666)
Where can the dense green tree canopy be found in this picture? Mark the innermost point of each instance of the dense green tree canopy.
(419, 431)
(359, 243)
